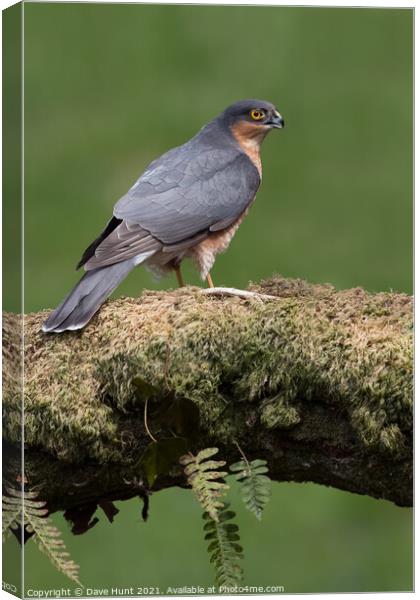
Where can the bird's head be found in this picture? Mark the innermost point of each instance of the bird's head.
(258, 114)
(249, 121)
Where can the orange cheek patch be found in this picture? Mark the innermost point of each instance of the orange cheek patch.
(245, 129)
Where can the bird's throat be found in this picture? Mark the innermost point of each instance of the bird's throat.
(250, 138)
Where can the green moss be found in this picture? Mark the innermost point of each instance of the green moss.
(275, 414)
(227, 355)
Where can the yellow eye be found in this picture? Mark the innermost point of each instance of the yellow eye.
(256, 114)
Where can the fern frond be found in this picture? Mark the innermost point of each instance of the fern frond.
(47, 536)
(224, 548)
(49, 541)
(203, 475)
(11, 515)
(255, 486)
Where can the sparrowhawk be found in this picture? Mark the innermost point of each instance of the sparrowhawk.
(187, 204)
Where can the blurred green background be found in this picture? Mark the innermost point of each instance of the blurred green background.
(110, 87)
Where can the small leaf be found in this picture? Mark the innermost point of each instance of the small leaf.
(144, 390)
(159, 457)
(182, 417)
(238, 466)
(193, 466)
(206, 453)
(226, 514)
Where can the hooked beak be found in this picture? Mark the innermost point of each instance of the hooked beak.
(276, 121)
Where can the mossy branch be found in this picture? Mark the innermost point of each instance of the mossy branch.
(316, 381)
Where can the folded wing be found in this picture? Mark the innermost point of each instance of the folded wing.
(181, 197)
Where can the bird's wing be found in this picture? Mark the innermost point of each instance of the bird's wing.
(188, 192)
(126, 241)
(91, 249)
(180, 198)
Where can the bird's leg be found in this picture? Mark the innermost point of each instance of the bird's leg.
(180, 279)
(210, 281)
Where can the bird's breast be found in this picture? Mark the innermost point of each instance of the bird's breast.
(205, 252)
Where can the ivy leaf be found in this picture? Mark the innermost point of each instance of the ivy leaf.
(159, 457)
(181, 417)
(145, 390)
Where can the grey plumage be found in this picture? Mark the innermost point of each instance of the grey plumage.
(86, 297)
(184, 197)
(192, 188)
